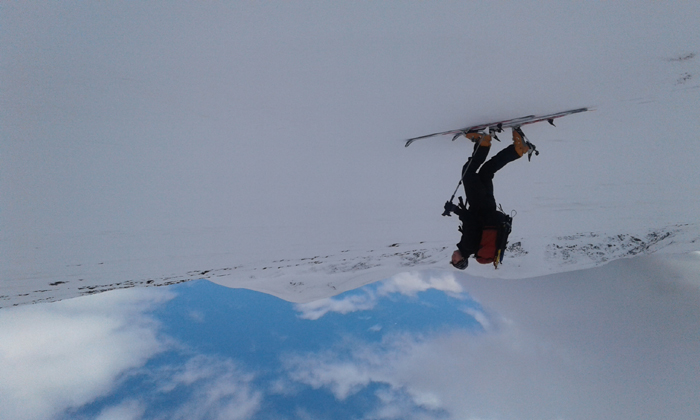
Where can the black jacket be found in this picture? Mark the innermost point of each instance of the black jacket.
(473, 222)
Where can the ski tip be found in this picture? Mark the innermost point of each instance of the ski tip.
(410, 141)
(583, 109)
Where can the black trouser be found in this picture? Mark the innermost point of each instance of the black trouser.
(478, 185)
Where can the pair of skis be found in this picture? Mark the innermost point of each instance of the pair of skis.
(498, 126)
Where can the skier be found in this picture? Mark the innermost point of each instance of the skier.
(477, 178)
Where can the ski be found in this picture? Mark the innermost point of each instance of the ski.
(498, 126)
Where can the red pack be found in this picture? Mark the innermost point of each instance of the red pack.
(488, 246)
(494, 240)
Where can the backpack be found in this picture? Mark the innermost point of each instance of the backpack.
(494, 239)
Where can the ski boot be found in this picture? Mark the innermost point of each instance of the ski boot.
(481, 139)
(522, 145)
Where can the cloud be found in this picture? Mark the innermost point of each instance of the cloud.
(352, 303)
(217, 388)
(65, 354)
(196, 316)
(411, 283)
(127, 410)
(198, 388)
(408, 284)
(617, 342)
(367, 363)
(56, 358)
(479, 316)
(396, 403)
(342, 378)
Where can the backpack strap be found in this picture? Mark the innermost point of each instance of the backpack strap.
(504, 227)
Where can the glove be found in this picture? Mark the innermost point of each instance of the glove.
(449, 208)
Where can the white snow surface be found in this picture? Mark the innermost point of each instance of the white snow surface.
(261, 146)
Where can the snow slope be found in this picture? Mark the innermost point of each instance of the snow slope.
(148, 145)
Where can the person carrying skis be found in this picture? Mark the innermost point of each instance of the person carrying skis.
(477, 178)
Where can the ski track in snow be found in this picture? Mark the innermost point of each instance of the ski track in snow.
(319, 276)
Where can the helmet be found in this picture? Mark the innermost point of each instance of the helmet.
(461, 264)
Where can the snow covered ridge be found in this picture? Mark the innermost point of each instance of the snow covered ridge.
(315, 277)
(602, 249)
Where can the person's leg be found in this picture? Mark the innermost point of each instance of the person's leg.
(487, 171)
(473, 186)
(501, 159)
(476, 160)
(482, 145)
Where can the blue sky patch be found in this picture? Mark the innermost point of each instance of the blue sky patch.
(251, 346)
